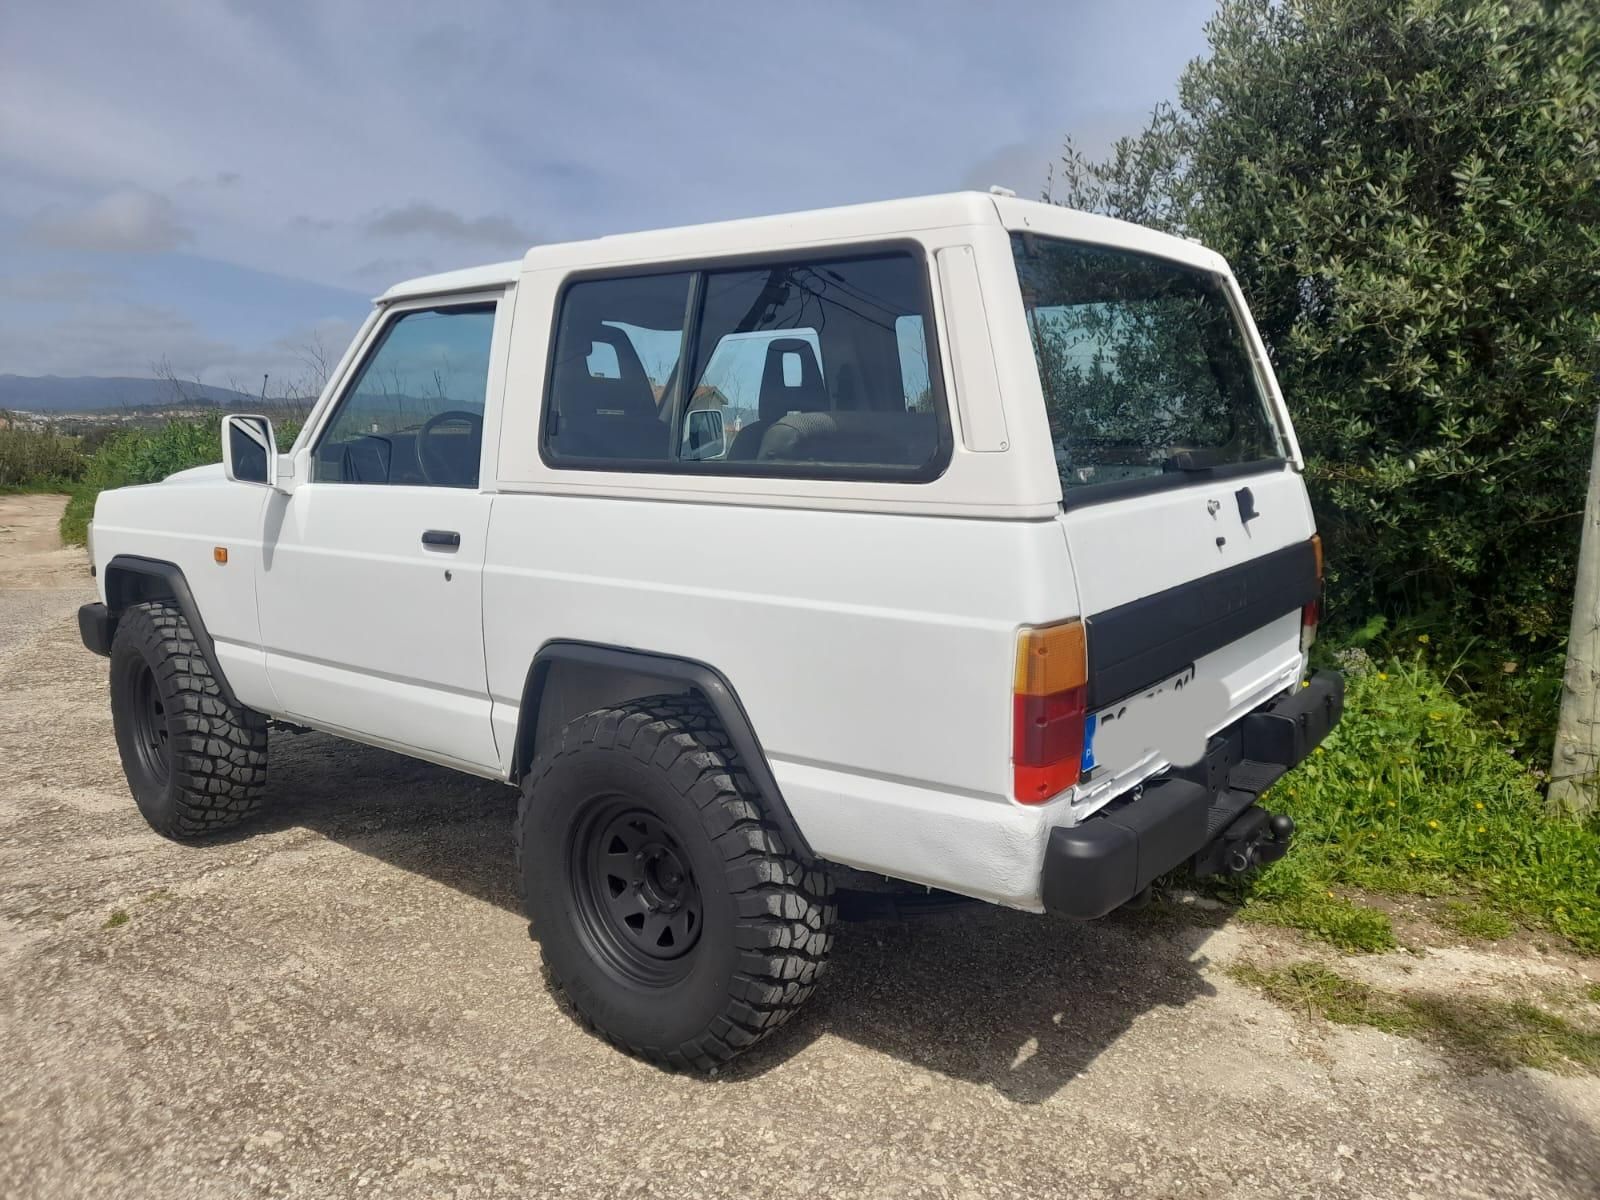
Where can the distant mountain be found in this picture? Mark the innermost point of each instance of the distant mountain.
(85, 393)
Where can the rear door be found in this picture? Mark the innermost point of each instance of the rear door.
(1188, 528)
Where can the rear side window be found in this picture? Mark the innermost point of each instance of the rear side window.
(1144, 367)
(616, 356)
(816, 367)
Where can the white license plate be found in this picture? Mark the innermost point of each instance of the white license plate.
(1126, 712)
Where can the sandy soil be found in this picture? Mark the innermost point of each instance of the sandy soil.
(344, 1001)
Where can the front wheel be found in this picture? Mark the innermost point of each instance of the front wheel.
(666, 904)
(196, 764)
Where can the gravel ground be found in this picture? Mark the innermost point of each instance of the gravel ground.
(345, 1001)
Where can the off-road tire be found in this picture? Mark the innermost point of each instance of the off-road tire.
(762, 942)
(195, 763)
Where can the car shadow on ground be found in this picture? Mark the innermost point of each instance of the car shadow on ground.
(1015, 1001)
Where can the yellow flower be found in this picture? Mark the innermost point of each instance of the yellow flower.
(1319, 749)
(1478, 806)
(1381, 675)
(1481, 829)
(1391, 804)
(1433, 824)
(1423, 638)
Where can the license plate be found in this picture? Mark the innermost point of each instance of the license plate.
(1125, 711)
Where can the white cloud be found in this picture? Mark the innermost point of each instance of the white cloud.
(125, 221)
(313, 140)
(429, 220)
(126, 338)
(54, 287)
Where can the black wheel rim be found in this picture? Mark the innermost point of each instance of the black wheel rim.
(638, 905)
(152, 739)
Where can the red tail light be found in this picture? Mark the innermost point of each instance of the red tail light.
(1311, 614)
(1047, 713)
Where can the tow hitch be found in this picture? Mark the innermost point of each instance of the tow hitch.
(1255, 838)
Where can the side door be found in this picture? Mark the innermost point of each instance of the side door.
(371, 585)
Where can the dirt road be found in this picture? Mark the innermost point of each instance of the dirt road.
(345, 1002)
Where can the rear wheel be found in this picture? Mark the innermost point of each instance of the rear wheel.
(195, 763)
(666, 904)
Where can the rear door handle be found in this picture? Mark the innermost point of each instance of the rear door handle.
(444, 539)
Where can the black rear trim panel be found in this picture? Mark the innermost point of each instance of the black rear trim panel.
(1143, 641)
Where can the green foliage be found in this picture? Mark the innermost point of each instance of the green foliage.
(38, 460)
(1413, 793)
(1409, 192)
(1474, 920)
(1327, 917)
(1487, 1032)
(142, 456)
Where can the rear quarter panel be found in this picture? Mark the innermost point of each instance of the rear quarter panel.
(874, 653)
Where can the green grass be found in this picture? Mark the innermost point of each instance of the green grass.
(1333, 919)
(1475, 920)
(117, 918)
(1414, 794)
(1487, 1032)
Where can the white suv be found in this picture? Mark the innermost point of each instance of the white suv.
(960, 541)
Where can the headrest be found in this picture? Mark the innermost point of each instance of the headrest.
(778, 396)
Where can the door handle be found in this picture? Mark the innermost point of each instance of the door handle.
(443, 539)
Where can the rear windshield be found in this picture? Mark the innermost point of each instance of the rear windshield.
(1143, 365)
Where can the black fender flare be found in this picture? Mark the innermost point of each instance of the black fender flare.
(166, 581)
(700, 677)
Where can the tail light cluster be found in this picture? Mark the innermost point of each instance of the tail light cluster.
(1048, 710)
(1311, 614)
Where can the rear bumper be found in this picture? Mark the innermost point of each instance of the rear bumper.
(95, 626)
(1101, 863)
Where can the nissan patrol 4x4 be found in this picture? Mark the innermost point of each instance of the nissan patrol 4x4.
(959, 540)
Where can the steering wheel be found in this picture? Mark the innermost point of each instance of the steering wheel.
(437, 469)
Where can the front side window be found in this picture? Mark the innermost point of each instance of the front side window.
(414, 412)
(1143, 365)
(819, 367)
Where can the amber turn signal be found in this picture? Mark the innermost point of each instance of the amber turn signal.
(1050, 659)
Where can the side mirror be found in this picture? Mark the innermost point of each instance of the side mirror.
(249, 453)
(705, 436)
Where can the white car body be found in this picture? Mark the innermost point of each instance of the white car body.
(869, 628)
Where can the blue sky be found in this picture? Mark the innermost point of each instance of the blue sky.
(221, 183)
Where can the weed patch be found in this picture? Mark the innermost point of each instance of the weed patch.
(1475, 920)
(117, 918)
(1333, 919)
(1485, 1032)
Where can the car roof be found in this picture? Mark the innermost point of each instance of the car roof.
(876, 221)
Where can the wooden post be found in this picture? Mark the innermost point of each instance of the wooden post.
(1575, 766)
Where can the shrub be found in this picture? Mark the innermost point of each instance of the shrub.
(1409, 192)
(37, 460)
